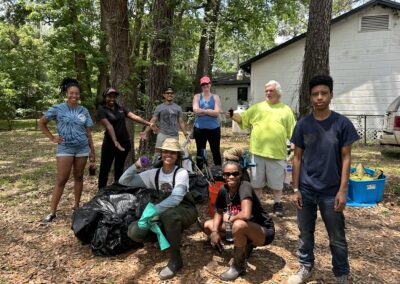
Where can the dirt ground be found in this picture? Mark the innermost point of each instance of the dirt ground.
(32, 253)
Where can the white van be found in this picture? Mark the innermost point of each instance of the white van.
(391, 125)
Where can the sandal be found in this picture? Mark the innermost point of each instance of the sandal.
(49, 218)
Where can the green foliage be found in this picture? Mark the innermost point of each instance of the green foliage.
(39, 41)
(23, 80)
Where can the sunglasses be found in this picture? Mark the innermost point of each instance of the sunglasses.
(235, 174)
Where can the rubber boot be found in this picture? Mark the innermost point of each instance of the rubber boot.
(174, 264)
(249, 249)
(238, 266)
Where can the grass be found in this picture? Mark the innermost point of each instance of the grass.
(28, 164)
(33, 253)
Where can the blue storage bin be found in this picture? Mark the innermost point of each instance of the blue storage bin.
(366, 191)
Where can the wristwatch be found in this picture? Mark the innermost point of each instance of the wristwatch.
(295, 189)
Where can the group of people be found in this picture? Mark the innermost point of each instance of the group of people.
(322, 150)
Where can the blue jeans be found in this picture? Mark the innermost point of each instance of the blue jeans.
(334, 224)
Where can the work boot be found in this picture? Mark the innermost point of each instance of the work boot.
(301, 276)
(278, 209)
(238, 266)
(174, 264)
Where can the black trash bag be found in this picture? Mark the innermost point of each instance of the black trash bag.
(111, 236)
(216, 172)
(198, 186)
(104, 220)
(84, 223)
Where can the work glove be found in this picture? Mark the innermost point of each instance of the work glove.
(163, 242)
(148, 214)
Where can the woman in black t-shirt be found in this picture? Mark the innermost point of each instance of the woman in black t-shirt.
(116, 143)
(238, 204)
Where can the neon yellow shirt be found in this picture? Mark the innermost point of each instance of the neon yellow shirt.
(272, 125)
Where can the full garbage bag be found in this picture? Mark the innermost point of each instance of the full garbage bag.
(198, 186)
(103, 221)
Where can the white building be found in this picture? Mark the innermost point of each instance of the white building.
(231, 91)
(364, 61)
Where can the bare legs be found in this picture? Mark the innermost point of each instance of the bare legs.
(64, 166)
(79, 167)
(242, 231)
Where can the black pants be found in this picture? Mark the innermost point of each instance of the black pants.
(108, 153)
(213, 136)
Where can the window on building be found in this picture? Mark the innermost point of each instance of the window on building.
(242, 95)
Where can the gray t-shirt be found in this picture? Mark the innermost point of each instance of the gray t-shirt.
(168, 116)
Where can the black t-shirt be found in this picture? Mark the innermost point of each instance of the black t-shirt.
(116, 117)
(322, 142)
(233, 204)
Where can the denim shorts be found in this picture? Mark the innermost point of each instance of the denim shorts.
(72, 151)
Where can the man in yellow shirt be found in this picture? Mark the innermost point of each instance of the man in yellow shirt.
(272, 125)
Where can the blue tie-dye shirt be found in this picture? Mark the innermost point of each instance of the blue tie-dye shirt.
(71, 123)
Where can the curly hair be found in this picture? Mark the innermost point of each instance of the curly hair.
(69, 82)
(325, 80)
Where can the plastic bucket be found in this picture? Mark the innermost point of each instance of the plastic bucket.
(213, 190)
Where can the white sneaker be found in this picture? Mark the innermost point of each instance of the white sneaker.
(302, 275)
(343, 279)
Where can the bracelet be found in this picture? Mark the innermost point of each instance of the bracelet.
(215, 231)
(295, 189)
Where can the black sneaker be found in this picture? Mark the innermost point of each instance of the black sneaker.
(278, 209)
(49, 219)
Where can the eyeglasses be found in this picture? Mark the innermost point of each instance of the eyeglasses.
(235, 174)
(169, 93)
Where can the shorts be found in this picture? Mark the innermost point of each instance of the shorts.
(161, 137)
(72, 151)
(269, 235)
(267, 171)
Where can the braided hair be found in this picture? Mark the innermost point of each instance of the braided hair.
(67, 83)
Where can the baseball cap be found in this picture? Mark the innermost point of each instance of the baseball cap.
(110, 91)
(205, 80)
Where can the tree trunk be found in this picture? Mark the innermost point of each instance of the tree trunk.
(117, 26)
(205, 59)
(160, 54)
(316, 56)
(103, 80)
(136, 40)
(80, 62)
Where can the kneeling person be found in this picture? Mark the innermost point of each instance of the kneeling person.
(238, 204)
(176, 209)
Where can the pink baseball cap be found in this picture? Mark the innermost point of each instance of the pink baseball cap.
(205, 80)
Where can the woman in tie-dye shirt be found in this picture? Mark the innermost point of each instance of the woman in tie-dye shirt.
(74, 142)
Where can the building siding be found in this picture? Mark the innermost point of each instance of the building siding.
(365, 67)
